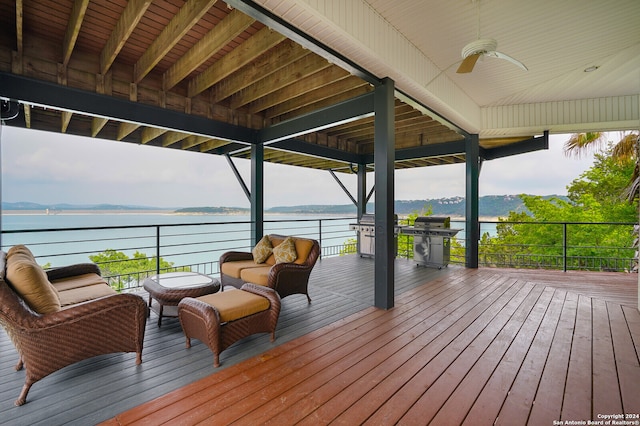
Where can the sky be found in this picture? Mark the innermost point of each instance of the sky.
(53, 168)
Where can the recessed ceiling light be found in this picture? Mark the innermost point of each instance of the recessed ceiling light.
(591, 68)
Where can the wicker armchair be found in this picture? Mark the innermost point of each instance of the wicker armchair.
(49, 342)
(237, 268)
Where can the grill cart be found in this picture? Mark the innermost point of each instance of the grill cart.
(431, 240)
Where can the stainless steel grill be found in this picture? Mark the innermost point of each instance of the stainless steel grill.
(431, 240)
(366, 229)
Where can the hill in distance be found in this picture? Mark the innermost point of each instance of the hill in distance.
(489, 206)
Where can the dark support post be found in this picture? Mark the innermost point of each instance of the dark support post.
(384, 157)
(472, 224)
(362, 190)
(257, 192)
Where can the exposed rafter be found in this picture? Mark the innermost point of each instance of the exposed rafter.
(128, 21)
(182, 22)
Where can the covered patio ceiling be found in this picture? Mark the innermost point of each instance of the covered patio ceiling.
(216, 77)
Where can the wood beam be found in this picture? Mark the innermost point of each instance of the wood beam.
(66, 118)
(248, 51)
(181, 23)
(27, 115)
(150, 133)
(125, 129)
(291, 74)
(280, 56)
(170, 138)
(205, 146)
(128, 21)
(73, 29)
(228, 29)
(97, 123)
(303, 85)
(321, 93)
(19, 29)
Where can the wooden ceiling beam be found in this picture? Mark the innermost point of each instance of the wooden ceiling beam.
(97, 123)
(292, 73)
(170, 138)
(221, 35)
(73, 29)
(150, 133)
(128, 21)
(301, 89)
(194, 140)
(182, 22)
(19, 29)
(321, 93)
(244, 54)
(280, 56)
(332, 100)
(65, 118)
(207, 145)
(125, 129)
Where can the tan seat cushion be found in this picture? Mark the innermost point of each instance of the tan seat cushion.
(234, 268)
(78, 281)
(236, 304)
(30, 281)
(256, 275)
(84, 294)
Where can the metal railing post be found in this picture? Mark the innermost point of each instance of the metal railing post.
(157, 250)
(564, 247)
(320, 236)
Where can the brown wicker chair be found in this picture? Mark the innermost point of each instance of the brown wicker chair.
(49, 342)
(285, 278)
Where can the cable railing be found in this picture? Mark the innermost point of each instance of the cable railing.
(587, 246)
(129, 254)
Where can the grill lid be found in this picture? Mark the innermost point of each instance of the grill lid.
(432, 222)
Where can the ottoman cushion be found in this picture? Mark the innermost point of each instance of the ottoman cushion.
(233, 305)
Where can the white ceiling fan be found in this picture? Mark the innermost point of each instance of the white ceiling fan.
(483, 47)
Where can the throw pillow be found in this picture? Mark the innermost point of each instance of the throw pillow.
(285, 252)
(262, 250)
(30, 281)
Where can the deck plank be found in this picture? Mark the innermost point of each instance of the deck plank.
(626, 360)
(606, 391)
(577, 396)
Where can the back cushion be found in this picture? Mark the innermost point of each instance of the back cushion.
(30, 281)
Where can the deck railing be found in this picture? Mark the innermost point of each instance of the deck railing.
(138, 250)
(569, 246)
(197, 247)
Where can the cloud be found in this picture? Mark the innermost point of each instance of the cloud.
(54, 168)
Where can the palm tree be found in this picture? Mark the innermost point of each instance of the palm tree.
(628, 148)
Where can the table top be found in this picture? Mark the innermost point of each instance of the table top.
(182, 280)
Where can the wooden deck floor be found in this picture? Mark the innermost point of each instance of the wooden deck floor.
(461, 346)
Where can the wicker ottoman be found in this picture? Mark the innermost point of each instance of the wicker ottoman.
(169, 288)
(221, 319)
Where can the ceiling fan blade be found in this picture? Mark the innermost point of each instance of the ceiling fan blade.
(468, 63)
(501, 55)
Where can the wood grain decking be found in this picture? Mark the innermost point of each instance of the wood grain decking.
(461, 346)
